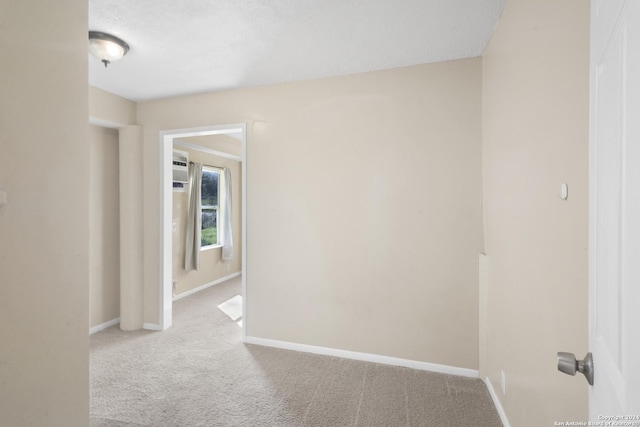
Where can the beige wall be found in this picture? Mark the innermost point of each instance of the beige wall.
(44, 230)
(212, 267)
(109, 110)
(104, 214)
(131, 157)
(223, 143)
(535, 121)
(364, 208)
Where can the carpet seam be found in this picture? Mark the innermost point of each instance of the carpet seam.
(364, 380)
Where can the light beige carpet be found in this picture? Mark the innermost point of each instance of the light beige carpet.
(199, 373)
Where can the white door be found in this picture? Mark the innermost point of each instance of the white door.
(614, 211)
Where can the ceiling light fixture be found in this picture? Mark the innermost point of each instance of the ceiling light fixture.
(106, 48)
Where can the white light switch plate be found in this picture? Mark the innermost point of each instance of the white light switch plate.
(564, 191)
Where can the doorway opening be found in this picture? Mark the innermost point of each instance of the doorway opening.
(194, 139)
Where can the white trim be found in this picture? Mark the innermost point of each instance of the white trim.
(208, 248)
(205, 286)
(152, 327)
(165, 296)
(206, 130)
(103, 326)
(165, 285)
(366, 357)
(497, 403)
(245, 166)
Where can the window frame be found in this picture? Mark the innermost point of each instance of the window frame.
(216, 208)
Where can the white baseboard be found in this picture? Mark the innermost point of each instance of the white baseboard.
(103, 326)
(366, 357)
(152, 327)
(497, 403)
(205, 286)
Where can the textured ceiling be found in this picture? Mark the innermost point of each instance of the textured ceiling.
(193, 46)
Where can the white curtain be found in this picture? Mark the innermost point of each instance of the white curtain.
(227, 224)
(194, 219)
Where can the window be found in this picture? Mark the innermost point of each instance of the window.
(209, 200)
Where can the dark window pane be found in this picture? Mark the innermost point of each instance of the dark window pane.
(209, 234)
(210, 188)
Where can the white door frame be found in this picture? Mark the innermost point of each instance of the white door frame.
(165, 298)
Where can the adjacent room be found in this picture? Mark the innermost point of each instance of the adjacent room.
(207, 223)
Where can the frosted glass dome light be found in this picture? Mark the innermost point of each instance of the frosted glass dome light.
(106, 48)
